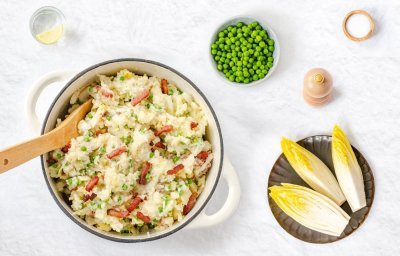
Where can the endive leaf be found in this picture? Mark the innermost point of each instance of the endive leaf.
(312, 170)
(310, 208)
(348, 171)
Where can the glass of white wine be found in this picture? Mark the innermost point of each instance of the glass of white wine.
(47, 25)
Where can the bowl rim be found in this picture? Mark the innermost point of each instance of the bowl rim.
(266, 27)
(133, 239)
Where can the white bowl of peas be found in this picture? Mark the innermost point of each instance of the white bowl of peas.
(244, 51)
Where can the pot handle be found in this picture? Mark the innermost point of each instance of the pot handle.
(204, 220)
(35, 92)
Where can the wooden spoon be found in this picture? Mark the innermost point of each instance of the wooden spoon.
(57, 138)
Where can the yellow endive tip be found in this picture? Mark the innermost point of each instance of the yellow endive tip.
(295, 153)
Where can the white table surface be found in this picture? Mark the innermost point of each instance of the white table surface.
(366, 79)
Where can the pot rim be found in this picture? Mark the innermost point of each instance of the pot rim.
(132, 239)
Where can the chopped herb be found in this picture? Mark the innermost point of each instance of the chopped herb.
(150, 98)
(126, 126)
(189, 181)
(58, 155)
(83, 148)
(69, 181)
(103, 150)
(151, 155)
(124, 187)
(90, 133)
(108, 118)
(87, 139)
(125, 232)
(170, 92)
(148, 176)
(90, 89)
(179, 91)
(148, 105)
(90, 115)
(119, 198)
(160, 209)
(122, 78)
(176, 159)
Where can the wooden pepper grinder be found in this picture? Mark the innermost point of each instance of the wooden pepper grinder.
(317, 88)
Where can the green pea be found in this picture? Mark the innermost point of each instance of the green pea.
(251, 51)
(251, 60)
(240, 24)
(227, 47)
(255, 77)
(251, 71)
(265, 51)
(222, 59)
(219, 67)
(221, 46)
(254, 24)
(269, 54)
(230, 34)
(254, 34)
(246, 58)
(270, 59)
(240, 54)
(270, 64)
(249, 65)
(230, 28)
(271, 42)
(216, 58)
(258, 49)
(239, 35)
(213, 52)
(234, 68)
(237, 43)
(214, 46)
(258, 71)
(239, 63)
(237, 79)
(221, 40)
(234, 30)
(225, 66)
(232, 78)
(231, 64)
(258, 38)
(250, 40)
(258, 28)
(221, 34)
(256, 54)
(228, 41)
(262, 44)
(271, 48)
(246, 81)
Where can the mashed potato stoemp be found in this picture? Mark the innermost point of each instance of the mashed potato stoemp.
(141, 158)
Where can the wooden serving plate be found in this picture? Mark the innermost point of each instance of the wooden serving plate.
(281, 172)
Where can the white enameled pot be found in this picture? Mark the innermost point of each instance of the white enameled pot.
(221, 166)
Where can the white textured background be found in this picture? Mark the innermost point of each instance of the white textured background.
(177, 33)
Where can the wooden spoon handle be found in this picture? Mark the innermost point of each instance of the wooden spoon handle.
(25, 151)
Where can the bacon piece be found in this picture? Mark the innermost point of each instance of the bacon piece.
(51, 161)
(176, 169)
(101, 131)
(145, 170)
(135, 202)
(166, 128)
(164, 87)
(189, 206)
(66, 148)
(116, 152)
(143, 95)
(160, 145)
(193, 125)
(117, 213)
(97, 87)
(89, 197)
(202, 155)
(143, 217)
(107, 94)
(93, 182)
